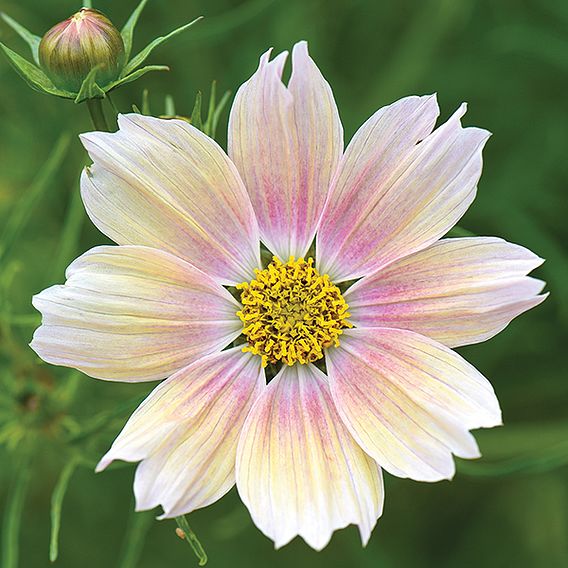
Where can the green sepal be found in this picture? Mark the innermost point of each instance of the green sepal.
(169, 106)
(39, 81)
(212, 129)
(31, 39)
(33, 75)
(146, 102)
(89, 88)
(127, 31)
(138, 59)
(196, 112)
(215, 110)
(135, 75)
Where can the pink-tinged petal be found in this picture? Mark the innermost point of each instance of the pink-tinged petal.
(165, 184)
(409, 401)
(133, 313)
(286, 143)
(299, 471)
(186, 433)
(394, 196)
(457, 291)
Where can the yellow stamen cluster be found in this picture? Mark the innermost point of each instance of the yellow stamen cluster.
(291, 312)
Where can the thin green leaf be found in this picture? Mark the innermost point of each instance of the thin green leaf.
(137, 60)
(169, 106)
(127, 31)
(192, 540)
(23, 210)
(136, 75)
(56, 505)
(31, 39)
(136, 532)
(33, 75)
(87, 4)
(13, 515)
(196, 112)
(89, 88)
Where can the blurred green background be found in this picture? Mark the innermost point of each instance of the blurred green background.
(509, 60)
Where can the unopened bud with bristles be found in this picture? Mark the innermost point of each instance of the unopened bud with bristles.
(72, 48)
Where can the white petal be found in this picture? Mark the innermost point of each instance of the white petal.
(409, 401)
(457, 291)
(393, 196)
(186, 433)
(286, 143)
(299, 471)
(165, 184)
(133, 313)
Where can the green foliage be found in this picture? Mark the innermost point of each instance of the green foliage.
(214, 111)
(127, 31)
(508, 60)
(196, 112)
(138, 59)
(31, 39)
(33, 75)
(90, 88)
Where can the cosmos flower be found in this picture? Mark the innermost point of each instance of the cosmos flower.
(302, 377)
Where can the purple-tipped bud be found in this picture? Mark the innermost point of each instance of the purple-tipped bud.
(69, 50)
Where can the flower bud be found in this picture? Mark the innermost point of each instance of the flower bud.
(70, 49)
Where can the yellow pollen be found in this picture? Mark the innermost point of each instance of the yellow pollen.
(291, 312)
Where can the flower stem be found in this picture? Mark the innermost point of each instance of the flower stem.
(95, 107)
(191, 539)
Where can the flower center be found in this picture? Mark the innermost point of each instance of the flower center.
(291, 312)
